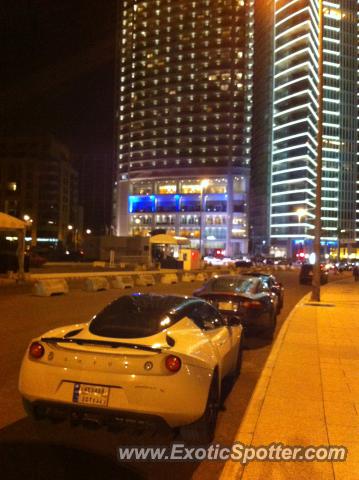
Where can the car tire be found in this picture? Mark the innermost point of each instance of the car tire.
(30, 409)
(239, 360)
(202, 431)
(281, 303)
(269, 332)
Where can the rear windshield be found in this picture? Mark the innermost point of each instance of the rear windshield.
(233, 284)
(136, 316)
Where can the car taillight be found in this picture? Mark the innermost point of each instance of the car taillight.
(254, 304)
(173, 363)
(36, 350)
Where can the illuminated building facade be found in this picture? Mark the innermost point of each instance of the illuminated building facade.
(39, 183)
(295, 123)
(184, 120)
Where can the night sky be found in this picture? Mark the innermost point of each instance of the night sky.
(57, 71)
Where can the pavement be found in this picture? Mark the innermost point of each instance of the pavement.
(308, 392)
(34, 445)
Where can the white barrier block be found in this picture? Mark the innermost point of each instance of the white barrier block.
(99, 264)
(145, 280)
(96, 284)
(201, 277)
(169, 278)
(46, 288)
(188, 277)
(122, 282)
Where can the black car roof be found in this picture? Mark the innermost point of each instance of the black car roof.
(166, 301)
(256, 274)
(232, 277)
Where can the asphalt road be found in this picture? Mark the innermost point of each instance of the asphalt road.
(43, 450)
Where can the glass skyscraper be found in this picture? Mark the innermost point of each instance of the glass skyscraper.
(293, 153)
(184, 116)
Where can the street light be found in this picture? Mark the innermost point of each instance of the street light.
(301, 212)
(88, 231)
(204, 184)
(30, 228)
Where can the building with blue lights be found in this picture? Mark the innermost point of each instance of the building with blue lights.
(184, 116)
(292, 155)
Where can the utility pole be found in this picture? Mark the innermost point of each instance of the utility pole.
(318, 206)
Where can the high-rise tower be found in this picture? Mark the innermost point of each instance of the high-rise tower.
(184, 120)
(295, 123)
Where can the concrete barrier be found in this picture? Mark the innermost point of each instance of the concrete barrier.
(145, 280)
(188, 277)
(46, 288)
(122, 282)
(201, 277)
(96, 284)
(99, 264)
(169, 278)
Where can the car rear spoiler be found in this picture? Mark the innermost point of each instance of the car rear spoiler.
(213, 295)
(106, 343)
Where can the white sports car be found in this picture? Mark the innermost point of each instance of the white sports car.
(142, 357)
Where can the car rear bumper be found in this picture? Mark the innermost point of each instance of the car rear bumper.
(90, 416)
(178, 399)
(253, 324)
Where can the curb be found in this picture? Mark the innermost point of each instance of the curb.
(234, 470)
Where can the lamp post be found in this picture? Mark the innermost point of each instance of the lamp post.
(301, 213)
(29, 226)
(204, 184)
(318, 206)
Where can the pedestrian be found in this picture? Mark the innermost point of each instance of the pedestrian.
(356, 273)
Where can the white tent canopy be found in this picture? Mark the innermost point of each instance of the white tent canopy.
(164, 239)
(13, 224)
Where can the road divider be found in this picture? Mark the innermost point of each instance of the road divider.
(47, 288)
(96, 284)
(122, 282)
(188, 277)
(169, 278)
(145, 280)
(201, 277)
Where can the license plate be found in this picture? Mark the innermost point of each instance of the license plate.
(226, 306)
(87, 394)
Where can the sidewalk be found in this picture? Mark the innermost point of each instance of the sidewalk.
(308, 392)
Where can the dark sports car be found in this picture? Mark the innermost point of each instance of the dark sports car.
(273, 284)
(247, 298)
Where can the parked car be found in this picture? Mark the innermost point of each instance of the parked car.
(243, 263)
(36, 260)
(273, 285)
(247, 298)
(306, 274)
(142, 357)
